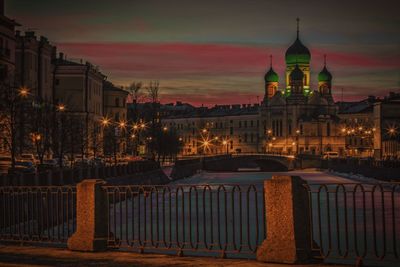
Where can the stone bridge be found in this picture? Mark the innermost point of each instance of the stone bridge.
(250, 162)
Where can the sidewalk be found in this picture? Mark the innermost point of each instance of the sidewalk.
(39, 256)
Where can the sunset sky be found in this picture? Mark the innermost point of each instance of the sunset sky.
(216, 52)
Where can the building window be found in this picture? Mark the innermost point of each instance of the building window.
(240, 124)
(328, 129)
(117, 102)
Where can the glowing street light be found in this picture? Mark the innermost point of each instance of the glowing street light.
(224, 142)
(23, 91)
(204, 130)
(61, 107)
(122, 124)
(269, 131)
(392, 131)
(142, 125)
(133, 136)
(216, 138)
(165, 129)
(105, 121)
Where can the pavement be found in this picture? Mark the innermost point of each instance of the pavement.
(17, 256)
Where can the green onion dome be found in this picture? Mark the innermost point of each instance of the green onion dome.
(297, 53)
(271, 76)
(324, 75)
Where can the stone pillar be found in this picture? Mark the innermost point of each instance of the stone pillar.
(287, 221)
(91, 219)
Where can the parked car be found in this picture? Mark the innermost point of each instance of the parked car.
(27, 157)
(331, 155)
(22, 166)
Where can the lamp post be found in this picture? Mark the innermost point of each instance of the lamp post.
(225, 143)
(269, 144)
(118, 131)
(297, 141)
(61, 109)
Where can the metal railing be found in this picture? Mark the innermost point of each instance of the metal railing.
(195, 219)
(355, 222)
(37, 214)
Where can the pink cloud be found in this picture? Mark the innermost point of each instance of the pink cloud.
(198, 64)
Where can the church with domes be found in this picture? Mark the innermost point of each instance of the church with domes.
(300, 119)
(293, 117)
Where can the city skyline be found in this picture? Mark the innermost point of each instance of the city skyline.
(222, 59)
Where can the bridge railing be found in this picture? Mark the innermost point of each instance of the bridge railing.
(190, 219)
(37, 214)
(355, 221)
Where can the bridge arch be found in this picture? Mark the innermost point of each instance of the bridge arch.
(250, 162)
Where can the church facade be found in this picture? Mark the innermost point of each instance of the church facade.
(301, 119)
(293, 118)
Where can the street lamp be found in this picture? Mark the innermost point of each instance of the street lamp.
(61, 107)
(269, 133)
(225, 143)
(297, 141)
(105, 122)
(23, 91)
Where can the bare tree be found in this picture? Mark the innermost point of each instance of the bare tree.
(153, 91)
(41, 123)
(12, 100)
(136, 94)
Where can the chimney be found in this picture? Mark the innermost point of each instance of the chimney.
(61, 56)
(2, 8)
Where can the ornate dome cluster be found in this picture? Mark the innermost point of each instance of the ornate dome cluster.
(297, 77)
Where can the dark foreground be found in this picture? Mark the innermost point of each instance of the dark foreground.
(37, 256)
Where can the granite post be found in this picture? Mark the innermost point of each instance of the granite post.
(91, 218)
(288, 237)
